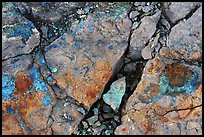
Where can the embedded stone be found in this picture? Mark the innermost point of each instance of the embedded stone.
(114, 96)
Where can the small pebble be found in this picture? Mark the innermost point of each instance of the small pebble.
(85, 124)
(133, 14)
(108, 115)
(107, 108)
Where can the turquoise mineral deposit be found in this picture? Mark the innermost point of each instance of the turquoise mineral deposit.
(114, 96)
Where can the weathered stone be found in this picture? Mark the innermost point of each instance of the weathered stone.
(142, 35)
(134, 14)
(49, 12)
(92, 119)
(19, 35)
(147, 53)
(67, 116)
(185, 39)
(25, 93)
(164, 97)
(79, 56)
(178, 10)
(114, 96)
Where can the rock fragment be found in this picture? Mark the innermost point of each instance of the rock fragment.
(142, 35)
(114, 96)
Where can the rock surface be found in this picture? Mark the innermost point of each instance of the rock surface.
(142, 35)
(167, 98)
(84, 70)
(92, 68)
(178, 10)
(19, 35)
(185, 39)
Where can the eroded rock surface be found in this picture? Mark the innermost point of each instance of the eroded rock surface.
(91, 68)
(86, 55)
(167, 98)
(19, 35)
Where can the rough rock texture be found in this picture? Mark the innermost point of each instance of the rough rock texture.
(26, 98)
(167, 98)
(178, 10)
(49, 12)
(82, 72)
(92, 68)
(185, 39)
(19, 35)
(142, 35)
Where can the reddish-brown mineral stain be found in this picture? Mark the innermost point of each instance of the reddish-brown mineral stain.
(22, 84)
(163, 119)
(89, 90)
(148, 126)
(177, 74)
(123, 130)
(11, 126)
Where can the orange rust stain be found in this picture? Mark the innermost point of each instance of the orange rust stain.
(154, 91)
(123, 129)
(22, 84)
(163, 119)
(177, 118)
(148, 126)
(26, 103)
(195, 112)
(62, 82)
(11, 126)
(160, 110)
(86, 90)
(154, 66)
(196, 55)
(177, 74)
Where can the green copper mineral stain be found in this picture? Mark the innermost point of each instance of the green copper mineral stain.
(114, 96)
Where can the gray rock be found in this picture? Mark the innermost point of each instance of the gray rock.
(142, 35)
(147, 53)
(147, 8)
(108, 115)
(107, 108)
(130, 67)
(85, 124)
(92, 120)
(134, 14)
(187, 36)
(97, 124)
(178, 10)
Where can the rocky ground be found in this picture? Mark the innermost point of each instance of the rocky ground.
(102, 68)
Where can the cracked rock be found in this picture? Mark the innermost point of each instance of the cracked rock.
(142, 34)
(178, 10)
(19, 35)
(26, 96)
(66, 118)
(149, 108)
(185, 39)
(86, 55)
